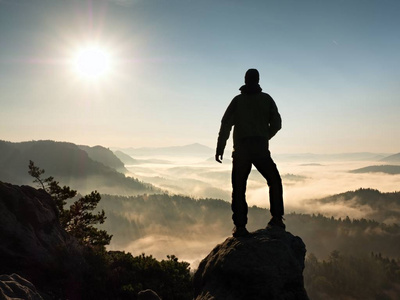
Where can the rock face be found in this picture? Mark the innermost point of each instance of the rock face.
(267, 264)
(148, 295)
(33, 244)
(15, 287)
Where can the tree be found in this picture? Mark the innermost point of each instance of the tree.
(79, 219)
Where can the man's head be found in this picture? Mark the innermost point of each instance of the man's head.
(252, 76)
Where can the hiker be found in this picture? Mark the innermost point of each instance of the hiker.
(256, 120)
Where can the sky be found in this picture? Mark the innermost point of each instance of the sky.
(332, 67)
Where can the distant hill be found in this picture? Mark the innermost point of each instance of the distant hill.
(382, 207)
(125, 158)
(68, 164)
(387, 169)
(315, 158)
(293, 177)
(128, 160)
(104, 156)
(208, 153)
(395, 158)
(187, 150)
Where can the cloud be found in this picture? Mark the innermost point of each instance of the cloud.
(340, 209)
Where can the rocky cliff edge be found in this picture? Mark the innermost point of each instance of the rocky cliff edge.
(267, 264)
(33, 243)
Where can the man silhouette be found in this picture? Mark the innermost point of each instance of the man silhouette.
(256, 120)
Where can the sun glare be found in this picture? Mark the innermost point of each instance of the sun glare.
(92, 62)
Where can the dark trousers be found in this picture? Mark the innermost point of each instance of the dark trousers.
(245, 155)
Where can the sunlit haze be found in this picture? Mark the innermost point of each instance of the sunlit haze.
(162, 73)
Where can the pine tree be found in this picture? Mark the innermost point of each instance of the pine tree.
(79, 220)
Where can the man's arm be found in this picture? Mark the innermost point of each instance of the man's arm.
(275, 122)
(225, 129)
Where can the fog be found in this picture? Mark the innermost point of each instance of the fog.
(303, 182)
(190, 250)
(176, 208)
(191, 230)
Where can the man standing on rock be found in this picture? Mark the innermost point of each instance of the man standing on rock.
(256, 120)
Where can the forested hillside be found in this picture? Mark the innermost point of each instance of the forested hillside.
(104, 156)
(184, 219)
(382, 207)
(69, 164)
(352, 277)
(347, 258)
(387, 169)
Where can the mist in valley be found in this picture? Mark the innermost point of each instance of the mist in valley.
(167, 204)
(304, 182)
(345, 207)
(188, 220)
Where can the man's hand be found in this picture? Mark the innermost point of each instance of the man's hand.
(219, 157)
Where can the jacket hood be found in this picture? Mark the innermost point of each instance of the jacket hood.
(250, 88)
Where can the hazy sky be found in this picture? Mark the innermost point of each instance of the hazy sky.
(333, 68)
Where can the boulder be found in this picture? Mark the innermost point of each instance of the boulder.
(148, 295)
(15, 287)
(33, 243)
(266, 264)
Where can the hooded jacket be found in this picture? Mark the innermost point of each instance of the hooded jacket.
(253, 114)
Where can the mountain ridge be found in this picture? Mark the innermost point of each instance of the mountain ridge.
(105, 156)
(395, 158)
(194, 149)
(387, 169)
(68, 164)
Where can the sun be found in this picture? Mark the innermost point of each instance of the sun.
(92, 62)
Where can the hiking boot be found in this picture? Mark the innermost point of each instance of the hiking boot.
(276, 222)
(239, 231)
